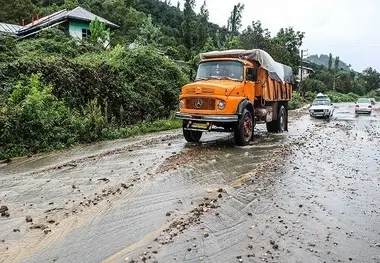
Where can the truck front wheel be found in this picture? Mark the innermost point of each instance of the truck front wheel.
(243, 130)
(191, 136)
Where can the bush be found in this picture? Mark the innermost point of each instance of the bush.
(341, 97)
(130, 86)
(56, 93)
(33, 119)
(298, 101)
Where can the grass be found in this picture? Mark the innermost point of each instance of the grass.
(109, 133)
(141, 128)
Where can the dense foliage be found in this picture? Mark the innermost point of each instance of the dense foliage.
(340, 80)
(57, 92)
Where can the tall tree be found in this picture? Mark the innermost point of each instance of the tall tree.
(15, 11)
(234, 22)
(336, 64)
(149, 33)
(291, 42)
(188, 23)
(256, 37)
(371, 78)
(203, 30)
(330, 61)
(99, 32)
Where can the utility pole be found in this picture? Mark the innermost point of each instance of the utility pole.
(301, 63)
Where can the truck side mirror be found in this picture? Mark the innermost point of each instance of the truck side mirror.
(251, 74)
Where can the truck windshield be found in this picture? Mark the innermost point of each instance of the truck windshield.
(228, 70)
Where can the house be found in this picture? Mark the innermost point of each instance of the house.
(76, 22)
(305, 73)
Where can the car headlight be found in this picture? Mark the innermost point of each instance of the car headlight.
(221, 105)
(181, 104)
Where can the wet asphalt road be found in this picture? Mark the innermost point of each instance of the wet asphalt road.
(310, 195)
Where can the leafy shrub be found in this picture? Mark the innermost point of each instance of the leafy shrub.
(33, 119)
(129, 85)
(341, 97)
(297, 101)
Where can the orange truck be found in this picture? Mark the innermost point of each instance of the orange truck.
(233, 90)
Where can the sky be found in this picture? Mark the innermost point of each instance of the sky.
(349, 29)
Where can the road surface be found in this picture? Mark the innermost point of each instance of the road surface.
(309, 195)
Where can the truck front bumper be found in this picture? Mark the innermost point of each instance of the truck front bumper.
(208, 118)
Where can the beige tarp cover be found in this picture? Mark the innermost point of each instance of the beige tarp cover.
(276, 70)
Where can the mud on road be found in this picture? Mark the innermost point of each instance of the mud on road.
(310, 195)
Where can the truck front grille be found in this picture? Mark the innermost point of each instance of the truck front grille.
(200, 103)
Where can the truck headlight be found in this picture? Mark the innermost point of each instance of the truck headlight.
(221, 105)
(181, 104)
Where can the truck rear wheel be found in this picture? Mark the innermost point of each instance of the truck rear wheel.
(281, 124)
(191, 136)
(243, 130)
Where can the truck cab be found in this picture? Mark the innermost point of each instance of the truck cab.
(227, 96)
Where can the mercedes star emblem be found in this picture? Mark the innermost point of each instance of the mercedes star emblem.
(198, 103)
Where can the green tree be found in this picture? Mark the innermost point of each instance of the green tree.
(15, 11)
(232, 42)
(314, 85)
(234, 22)
(371, 78)
(336, 63)
(291, 41)
(70, 4)
(188, 23)
(330, 61)
(8, 49)
(100, 34)
(209, 45)
(128, 18)
(203, 30)
(149, 33)
(256, 37)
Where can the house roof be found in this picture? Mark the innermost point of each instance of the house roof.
(306, 68)
(78, 13)
(82, 14)
(10, 28)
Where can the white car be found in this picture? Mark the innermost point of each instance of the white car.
(322, 107)
(363, 106)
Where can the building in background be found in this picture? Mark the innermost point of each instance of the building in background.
(306, 72)
(76, 22)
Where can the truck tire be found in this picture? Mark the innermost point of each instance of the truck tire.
(243, 131)
(191, 136)
(281, 124)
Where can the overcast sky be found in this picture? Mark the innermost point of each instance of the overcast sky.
(346, 28)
